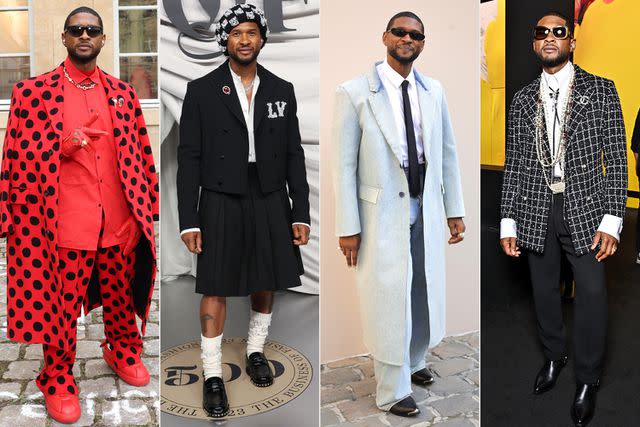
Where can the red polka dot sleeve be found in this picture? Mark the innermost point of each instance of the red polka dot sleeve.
(147, 159)
(11, 135)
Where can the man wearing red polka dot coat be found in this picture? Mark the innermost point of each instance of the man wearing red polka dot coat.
(78, 197)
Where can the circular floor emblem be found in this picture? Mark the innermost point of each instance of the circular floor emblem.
(182, 379)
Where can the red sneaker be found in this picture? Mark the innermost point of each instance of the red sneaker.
(136, 374)
(63, 407)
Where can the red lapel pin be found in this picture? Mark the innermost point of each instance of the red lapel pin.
(226, 90)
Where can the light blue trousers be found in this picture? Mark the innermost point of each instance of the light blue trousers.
(394, 382)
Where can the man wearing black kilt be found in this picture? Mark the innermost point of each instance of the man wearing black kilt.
(239, 162)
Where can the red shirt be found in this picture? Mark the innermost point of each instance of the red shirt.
(89, 181)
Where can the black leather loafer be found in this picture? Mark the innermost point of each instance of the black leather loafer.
(548, 375)
(259, 370)
(405, 408)
(422, 377)
(584, 404)
(214, 398)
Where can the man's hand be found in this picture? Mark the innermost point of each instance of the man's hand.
(457, 228)
(132, 230)
(300, 234)
(510, 247)
(608, 245)
(193, 241)
(82, 137)
(349, 245)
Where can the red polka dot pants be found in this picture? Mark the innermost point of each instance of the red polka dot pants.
(114, 273)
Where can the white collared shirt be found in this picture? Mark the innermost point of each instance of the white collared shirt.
(610, 224)
(552, 85)
(392, 82)
(247, 108)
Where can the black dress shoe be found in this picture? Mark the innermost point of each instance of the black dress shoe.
(214, 398)
(422, 377)
(548, 375)
(259, 370)
(405, 408)
(584, 404)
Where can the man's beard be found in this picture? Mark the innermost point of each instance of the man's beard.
(401, 59)
(83, 59)
(244, 61)
(561, 58)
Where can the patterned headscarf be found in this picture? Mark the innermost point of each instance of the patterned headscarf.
(235, 16)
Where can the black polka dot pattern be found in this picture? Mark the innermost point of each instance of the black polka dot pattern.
(29, 179)
(115, 273)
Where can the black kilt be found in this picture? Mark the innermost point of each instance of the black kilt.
(246, 242)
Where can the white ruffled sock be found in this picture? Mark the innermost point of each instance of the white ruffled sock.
(258, 331)
(211, 356)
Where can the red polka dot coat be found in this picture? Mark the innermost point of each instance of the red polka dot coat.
(29, 179)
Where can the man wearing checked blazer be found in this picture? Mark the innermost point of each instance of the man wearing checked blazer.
(397, 184)
(240, 160)
(564, 192)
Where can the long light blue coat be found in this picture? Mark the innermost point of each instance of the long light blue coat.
(372, 198)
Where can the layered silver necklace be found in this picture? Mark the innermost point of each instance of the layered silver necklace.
(556, 156)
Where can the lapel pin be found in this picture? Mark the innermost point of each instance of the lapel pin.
(117, 102)
(226, 90)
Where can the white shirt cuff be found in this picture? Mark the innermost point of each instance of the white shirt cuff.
(302, 223)
(612, 225)
(508, 228)
(190, 230)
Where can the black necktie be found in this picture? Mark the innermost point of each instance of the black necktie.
(414, 172)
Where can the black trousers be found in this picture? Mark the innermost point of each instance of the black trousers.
(590, 303)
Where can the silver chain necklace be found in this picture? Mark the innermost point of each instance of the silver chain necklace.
(83, 86)
(557, 158)
(248, 87)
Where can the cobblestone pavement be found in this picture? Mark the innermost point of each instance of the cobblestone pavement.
(348, 390)
(105, 399)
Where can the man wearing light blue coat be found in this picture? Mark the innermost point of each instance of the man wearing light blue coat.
(397, 184)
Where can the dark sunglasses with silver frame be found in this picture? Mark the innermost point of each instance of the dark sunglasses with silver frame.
(560, 32)
(78, 30)
(398, 32)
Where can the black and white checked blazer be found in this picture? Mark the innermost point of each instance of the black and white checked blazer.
(597, 142)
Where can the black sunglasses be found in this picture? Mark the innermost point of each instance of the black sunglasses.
(401, 33)
(78, 30)
(559, 33)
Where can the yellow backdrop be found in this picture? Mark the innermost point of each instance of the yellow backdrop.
(492, 92)
(606, 45)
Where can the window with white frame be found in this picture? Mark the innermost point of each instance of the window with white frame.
(137, 53)
(15, 45)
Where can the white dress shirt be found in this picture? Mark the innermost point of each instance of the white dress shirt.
(559, 81)
(552, 86)
(392, 82)
(247, 108)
